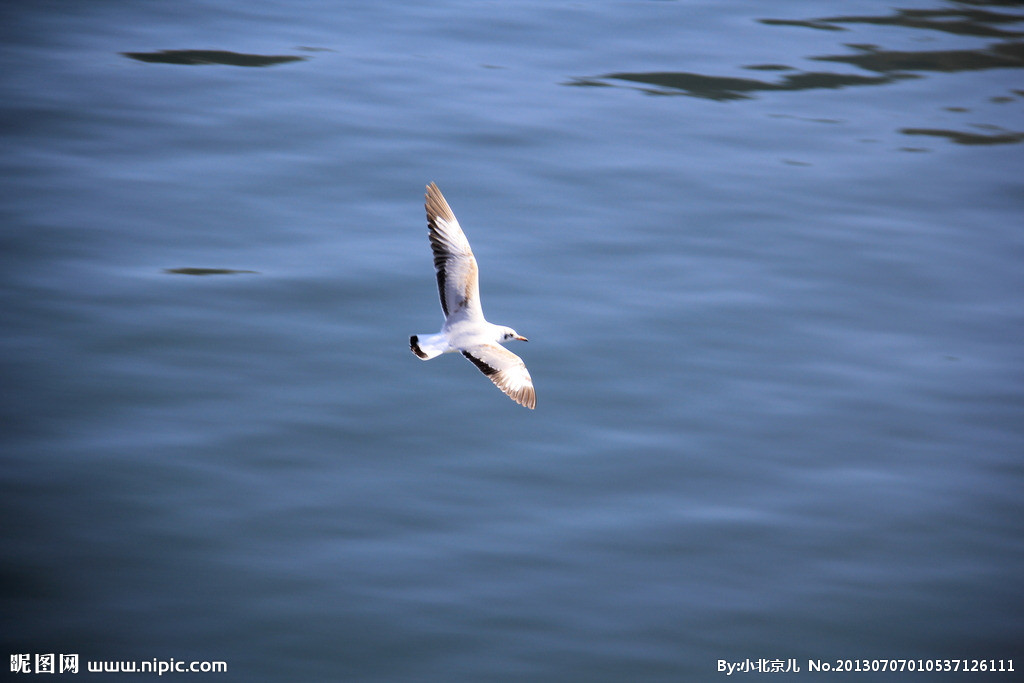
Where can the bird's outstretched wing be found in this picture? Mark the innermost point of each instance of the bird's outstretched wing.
(457, 277)
(506, 370)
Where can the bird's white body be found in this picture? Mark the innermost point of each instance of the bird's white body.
(465, 330)
(462, 334)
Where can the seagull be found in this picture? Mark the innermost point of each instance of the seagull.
(465, 330)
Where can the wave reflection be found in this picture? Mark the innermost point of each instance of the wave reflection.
(198, 57)
(884, 66)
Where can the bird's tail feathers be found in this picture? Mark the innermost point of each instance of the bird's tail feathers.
(423, 346)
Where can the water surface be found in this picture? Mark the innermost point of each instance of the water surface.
(768, 257)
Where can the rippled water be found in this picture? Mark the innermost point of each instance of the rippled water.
(768, 256)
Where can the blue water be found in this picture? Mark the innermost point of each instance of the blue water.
(768, 255)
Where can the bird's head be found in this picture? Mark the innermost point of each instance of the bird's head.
(508, 334)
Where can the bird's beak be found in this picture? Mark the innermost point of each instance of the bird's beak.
(520, 337)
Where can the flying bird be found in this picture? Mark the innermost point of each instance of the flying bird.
(465, 330)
